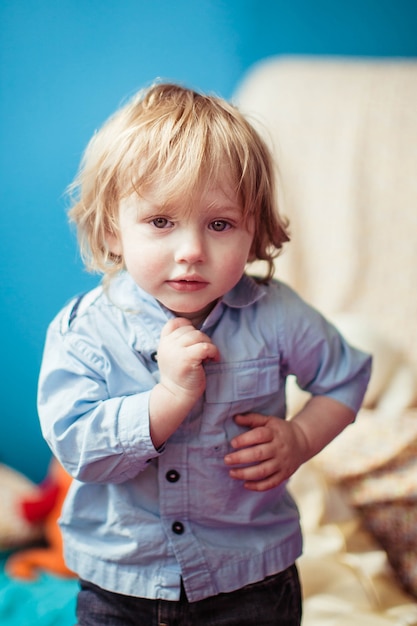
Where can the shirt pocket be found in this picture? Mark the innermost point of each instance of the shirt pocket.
(243, 387)
(231, 388)
(243, 382)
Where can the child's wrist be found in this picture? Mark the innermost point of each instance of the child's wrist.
(167, 411)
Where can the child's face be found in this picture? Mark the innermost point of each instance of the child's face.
(187, 259)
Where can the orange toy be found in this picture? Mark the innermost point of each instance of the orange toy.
(44, 506)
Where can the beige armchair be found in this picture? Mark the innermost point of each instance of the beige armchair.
(344, 133)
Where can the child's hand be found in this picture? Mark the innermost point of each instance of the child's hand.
(181, 354)
(273, 449)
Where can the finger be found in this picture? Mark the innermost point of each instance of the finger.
(174, 324)
(256, 436)
(200, 352)
(181, 329)
(245, 456)
(206, 349)
(251, 419)
(213, 354)
(264, 485)
(259, 472)
(259, 478)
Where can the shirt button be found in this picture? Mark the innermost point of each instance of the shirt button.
(154, 356)
(178, 528)
(172, 476)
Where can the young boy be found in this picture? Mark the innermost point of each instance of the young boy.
(162, 391)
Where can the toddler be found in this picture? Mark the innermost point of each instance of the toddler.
(162, 391)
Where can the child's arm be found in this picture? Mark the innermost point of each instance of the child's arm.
(275, 448)
(181, 353)
(102, 433)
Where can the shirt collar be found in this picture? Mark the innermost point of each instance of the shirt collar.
(246, 292)
(125, 294)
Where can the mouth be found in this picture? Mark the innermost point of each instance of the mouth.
(187, 284)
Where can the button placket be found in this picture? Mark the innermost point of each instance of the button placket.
(173, 476)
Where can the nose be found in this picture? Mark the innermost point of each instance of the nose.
(190, 247)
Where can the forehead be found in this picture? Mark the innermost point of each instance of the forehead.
(218, 193)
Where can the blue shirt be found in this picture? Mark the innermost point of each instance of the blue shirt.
(136, 519)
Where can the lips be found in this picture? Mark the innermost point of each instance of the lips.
(187, 284)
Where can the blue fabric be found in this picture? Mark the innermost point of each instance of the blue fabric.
(132, 525)
(46, 601)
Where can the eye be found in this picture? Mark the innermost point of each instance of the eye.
(160, 222)
(220, 225)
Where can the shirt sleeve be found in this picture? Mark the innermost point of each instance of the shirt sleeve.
(96, 437)
(323, 362)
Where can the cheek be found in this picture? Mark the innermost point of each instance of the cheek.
(233, 262)
(145, 263)
(239, 252)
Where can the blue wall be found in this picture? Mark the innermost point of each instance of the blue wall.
(65, 66)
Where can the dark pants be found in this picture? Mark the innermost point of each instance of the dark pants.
(275, 601)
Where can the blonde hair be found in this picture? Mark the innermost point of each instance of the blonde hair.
(175, 137)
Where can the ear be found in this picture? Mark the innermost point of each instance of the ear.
(114, 243)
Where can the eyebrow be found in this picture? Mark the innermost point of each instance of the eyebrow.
(148, 206)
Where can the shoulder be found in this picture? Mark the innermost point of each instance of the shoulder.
(297, 322)
(105, 302)
(279, 296)
(274, 307)
(76, 309)
(86, 329)
(291, 301)
(79, 311)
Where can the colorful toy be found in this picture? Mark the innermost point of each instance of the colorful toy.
(43, 507)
